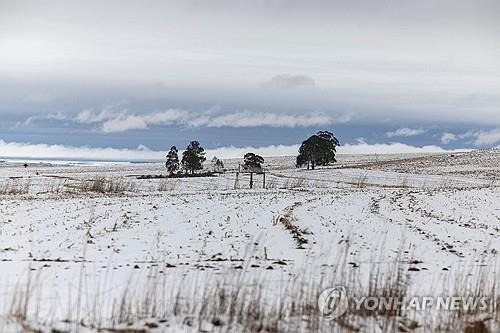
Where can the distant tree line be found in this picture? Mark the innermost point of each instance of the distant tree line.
(317, 150)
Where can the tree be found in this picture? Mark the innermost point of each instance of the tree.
(193, 157)
(319, 149)
(217, 165)
(253, 161)
(172, 163)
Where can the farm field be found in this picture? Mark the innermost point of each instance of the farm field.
(94, 248)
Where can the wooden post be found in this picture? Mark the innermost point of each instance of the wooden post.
(264, 180)
(237, 181)
(251, 179)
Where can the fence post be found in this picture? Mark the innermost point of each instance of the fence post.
(237, 181)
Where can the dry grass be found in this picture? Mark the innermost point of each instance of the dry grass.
(241, 301)
(271, 184)
(295, 182)
(101, 184)
(14, 187)
(360, 182)
(167, 185)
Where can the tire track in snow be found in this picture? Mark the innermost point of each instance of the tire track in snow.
(288, 222)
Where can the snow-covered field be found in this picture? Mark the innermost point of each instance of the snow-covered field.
(161, 254)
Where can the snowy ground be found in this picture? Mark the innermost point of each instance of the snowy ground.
(438, 216)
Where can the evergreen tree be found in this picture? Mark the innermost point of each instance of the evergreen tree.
(193, 157)
(252, 161)
(172, 163)
(319, 149)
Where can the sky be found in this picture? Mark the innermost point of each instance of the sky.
(128, 79)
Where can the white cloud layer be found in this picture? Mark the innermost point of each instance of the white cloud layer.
(387, 148)
(43, 151)
(125, 122)
(448, 137)
(384, 59)
(487, 137)
(111, 120)
(405, 132)
(254, 119)
(478, 137)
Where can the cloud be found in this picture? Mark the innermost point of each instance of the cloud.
(21, 150)
(448, 137)
(405, 132)
(110, 120)
(384, 64)
(141, 153)
(89, 116)
(479, 137)
(59, 116)
(269, 151)
(386, 148)
(291, 81)
(487, 137)
(255, 119)
(122, 124)
(125, 122)
(44, 151)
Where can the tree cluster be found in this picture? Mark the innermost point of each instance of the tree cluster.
(192, 158)
(317, 150)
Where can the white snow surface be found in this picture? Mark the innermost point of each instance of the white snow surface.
(445, 221)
